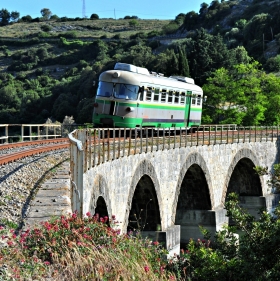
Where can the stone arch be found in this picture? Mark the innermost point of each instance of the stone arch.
(249, 157)
(145, 168)
(193, 158)
(100, 190)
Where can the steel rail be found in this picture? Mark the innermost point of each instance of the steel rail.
(35, 142)
(8, 158)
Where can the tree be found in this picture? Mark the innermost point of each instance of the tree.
(183, 63)
(94, 17)
(180, 18)
(27, 18)
(244, 95)
(15, 16)
(46, 13)
(191, 20)
(133, 23)
(5, 17)
(207, 53)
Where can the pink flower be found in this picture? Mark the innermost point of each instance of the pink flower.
(146, 268)
(88, 214)
(10, 243)
(156, 243)
(47, 263)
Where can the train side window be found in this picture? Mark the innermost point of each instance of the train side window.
(170, 97)
(163, 95)
(198, 100)
(156, 96)
(193, 100)
(183, 98)
(149, 95)
(176, 97)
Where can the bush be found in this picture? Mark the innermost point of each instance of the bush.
(273, 64)
(253, 256)
(71, 248)
(69, 34)
(46, 28)
(94, 17)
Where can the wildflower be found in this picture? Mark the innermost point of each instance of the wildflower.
(88, 214)
(47, 263)
(113, 217)
(10, 243)
(146, 268)
(156, 243)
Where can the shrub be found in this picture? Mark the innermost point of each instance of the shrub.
(71, 248)
(46, 28)
(273, 64)
(94, 17)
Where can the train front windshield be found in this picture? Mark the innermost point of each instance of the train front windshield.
(120, 91)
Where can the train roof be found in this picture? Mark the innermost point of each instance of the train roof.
(144, 76)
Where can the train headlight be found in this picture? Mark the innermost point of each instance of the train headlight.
(130, 109)
(116, 74)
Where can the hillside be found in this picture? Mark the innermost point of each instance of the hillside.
(47, 67)
(82, 28)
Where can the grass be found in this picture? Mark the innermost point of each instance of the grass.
(84, 28)
(70, 248)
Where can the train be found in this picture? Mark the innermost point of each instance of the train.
(134, 97)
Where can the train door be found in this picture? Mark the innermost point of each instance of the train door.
(187, 108)
(112, 109)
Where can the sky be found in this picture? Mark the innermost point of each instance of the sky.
(143, 9)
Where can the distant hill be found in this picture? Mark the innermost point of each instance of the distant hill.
(47, 67)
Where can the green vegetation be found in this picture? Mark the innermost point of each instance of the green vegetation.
(41, 74)
(70, 248)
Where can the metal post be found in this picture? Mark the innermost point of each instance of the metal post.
(163, 139)
(152, 139)
(124, 136)
(157, 139)
(119, 144)
(94, 147)
(114, 143)
(169, 132)
(129, 142)
(147, 133)
(141, 140)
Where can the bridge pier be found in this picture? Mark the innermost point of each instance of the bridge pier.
(170, 239)
(190, 221)
(271, 201)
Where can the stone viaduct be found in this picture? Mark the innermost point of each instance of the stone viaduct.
(168, 193)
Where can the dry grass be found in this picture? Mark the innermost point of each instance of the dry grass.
(83, 28)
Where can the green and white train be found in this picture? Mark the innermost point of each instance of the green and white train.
(132, 97)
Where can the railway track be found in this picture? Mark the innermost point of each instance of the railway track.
(25, 150)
